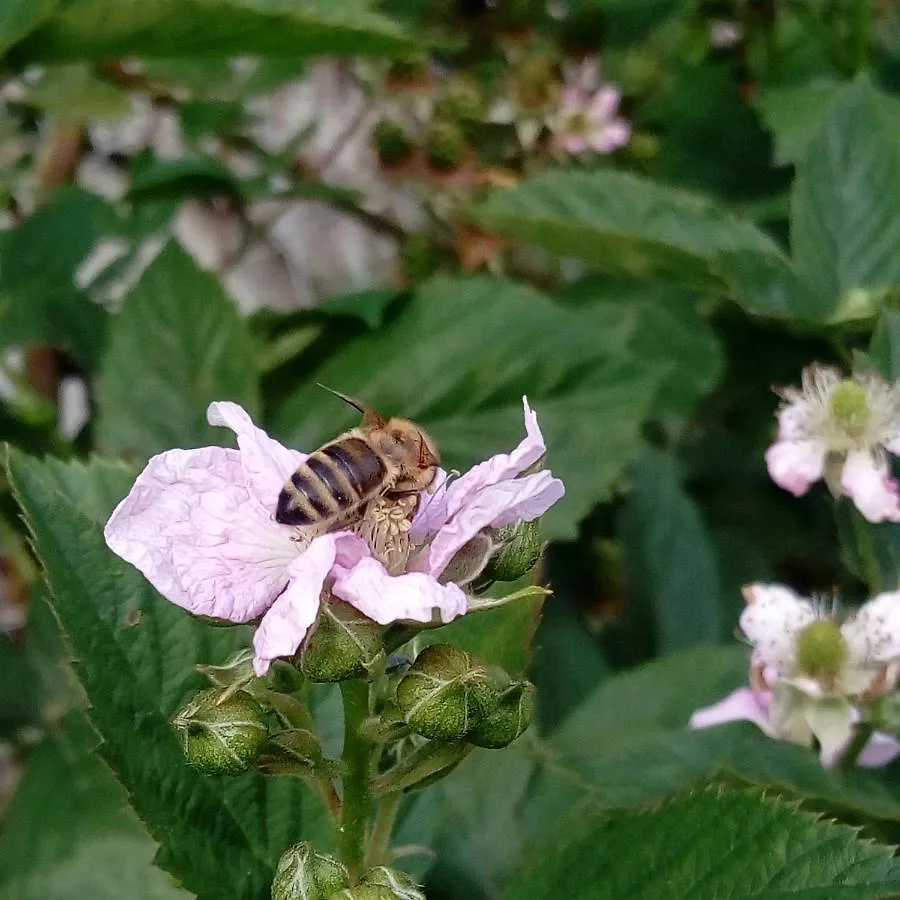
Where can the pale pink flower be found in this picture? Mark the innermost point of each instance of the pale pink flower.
(803, 690)
(586, 119)
(840, 429)
(199, 525)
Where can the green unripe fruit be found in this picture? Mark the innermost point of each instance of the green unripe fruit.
(509, 719)
(520, 549)
(849, 408)
(461, 102)
(343, 644)
(821, 650)
(221, 734)
(304, 874)
(443, 696)
(392, 143)
(445, 145)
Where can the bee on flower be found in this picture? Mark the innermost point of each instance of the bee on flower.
(201, 525)
(840, 429)
(811, 673)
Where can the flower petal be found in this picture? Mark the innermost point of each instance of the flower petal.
(879, 751)
(519, 499)
(873, 634)
(450, 498)
(610, 136)
(386, 598)
(267, 464)
(831, 721)
(870, 486)
(742, 705)
(192, 527)
(284, 626)
(603, 104)
(795, 465)
(772, 619)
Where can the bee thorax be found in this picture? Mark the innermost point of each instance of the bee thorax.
(385, 527)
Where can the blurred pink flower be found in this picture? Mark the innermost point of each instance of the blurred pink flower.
(839, 428)
(586, 119)
(199, 525)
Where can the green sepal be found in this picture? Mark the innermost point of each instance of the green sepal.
(422, 767)
(513, 714)
(343, 644)
(305, 874)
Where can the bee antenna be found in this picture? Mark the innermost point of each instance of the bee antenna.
(356, 404)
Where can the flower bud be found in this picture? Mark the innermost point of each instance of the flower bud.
(392, 143)
(443, 696)
(508, 720)
(304, 874)
(343, 644)
(445, 145)
(221, 731)
(460, 102)
(821, 650)
(401, 884)
(520, 549)
(382, 883)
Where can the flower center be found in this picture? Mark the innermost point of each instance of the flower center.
(849, 408)
(821, 650)
(577, 123)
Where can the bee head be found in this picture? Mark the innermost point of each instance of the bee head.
(412, 451)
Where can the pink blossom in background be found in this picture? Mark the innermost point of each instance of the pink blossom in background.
(199, 525)
(840, 429)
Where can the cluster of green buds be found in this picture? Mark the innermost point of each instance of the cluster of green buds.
(303, 873)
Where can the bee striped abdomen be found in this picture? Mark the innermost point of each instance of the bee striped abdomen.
(331, 483)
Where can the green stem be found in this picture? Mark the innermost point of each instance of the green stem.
(860, 34)
(859, 740)
(383, 829)
(356, 763)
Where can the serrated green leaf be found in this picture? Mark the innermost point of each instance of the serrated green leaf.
(39, 302)
(845, 226)
(709, 845)
(623, 224)
(458, 359)
(68, 832)
(177, 345)
(134, 654)
(793, 115)
(668, 554)
(96, 29)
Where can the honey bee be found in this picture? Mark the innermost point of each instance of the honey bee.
(381, 458)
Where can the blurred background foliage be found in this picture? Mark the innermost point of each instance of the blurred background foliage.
(235, 199)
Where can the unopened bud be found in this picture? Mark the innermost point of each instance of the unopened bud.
(445, 145)
(460, 102)
(392, 143)
(305, 874)
(364, 892)
(343, 644)
(382, 883)
(821, 650)
(443, 696)
(519, 550)
(221, 731)
(512, 715)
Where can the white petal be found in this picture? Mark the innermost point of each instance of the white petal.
(772, 620)
(879, 751)
(870, 486)
(191, 525)
(284, 626)
(500, 504)
(873, 634)
(795, 465)
(267, 464)
(831, 721)
(386, 598)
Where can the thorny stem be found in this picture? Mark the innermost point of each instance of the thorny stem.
(356, 764)
(859, 740)
(382, 829)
